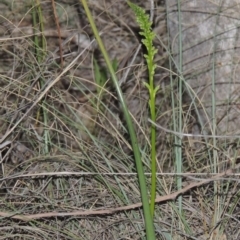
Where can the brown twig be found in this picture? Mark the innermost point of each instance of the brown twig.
(159, 199)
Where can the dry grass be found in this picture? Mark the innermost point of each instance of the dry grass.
(63, 167)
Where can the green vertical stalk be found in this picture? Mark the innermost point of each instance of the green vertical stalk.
(40, 46)
(178, 139)
(145, 25)
(153, 152)
(141, 177)
(214, 121)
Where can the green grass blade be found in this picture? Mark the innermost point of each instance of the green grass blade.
(142, 182)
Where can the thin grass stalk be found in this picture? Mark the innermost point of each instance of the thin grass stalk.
(141, 177)
(214, 123)
(39, 45)
(195, 100)
(180, 80)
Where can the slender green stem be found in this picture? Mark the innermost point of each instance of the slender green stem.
(146, 31)
(141, 177)
(153, 155)
(214, 121)
(40, 46)
(153, 135)
(180, 88)
(152, 91)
